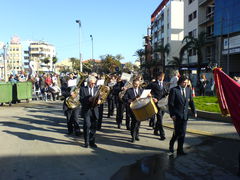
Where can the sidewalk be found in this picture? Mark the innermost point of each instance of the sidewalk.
(207, 127)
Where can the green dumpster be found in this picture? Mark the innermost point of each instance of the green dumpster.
(6, 93)
(22, 91)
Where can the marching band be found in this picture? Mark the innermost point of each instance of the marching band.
(122, 92)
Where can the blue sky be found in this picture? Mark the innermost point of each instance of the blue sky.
(117, 26)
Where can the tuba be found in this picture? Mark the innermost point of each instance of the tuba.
(73, 101)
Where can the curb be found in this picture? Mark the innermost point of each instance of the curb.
(204, 133)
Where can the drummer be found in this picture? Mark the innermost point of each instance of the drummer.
(131, 95)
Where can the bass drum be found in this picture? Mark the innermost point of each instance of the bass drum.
(143, 108)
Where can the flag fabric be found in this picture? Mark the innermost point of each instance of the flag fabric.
(228, 93)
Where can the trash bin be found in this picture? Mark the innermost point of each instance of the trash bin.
(6, 93)
(22, 91)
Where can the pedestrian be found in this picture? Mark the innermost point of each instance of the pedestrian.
(179, 99)
(174, 79)
(202, 84)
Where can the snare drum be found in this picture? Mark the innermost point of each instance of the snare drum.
(143, 108)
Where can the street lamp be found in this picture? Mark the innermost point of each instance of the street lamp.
(92, 45)
(80, 56)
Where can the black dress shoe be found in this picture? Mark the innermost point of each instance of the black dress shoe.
(85, 145)
(171, 150)
(93, 145)
(155, 133)
(181, 153)
(162, 138)
(137, 138)
(132, 140)
(78, 133)
(119, 126)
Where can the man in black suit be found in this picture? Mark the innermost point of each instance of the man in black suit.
(180, 98)
(131, 95)
(159, 89)
(117, 88)
(90, 114)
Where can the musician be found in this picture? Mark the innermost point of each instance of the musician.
(131, 95)
(110, 97)
(159, 89)
(179, 99)
(117, 88)
(71, 114)
(90, 114)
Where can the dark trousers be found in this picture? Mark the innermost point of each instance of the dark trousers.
(100, 109)
(128, 111)
(152, 121)
(120, 109)
(89, 127)
(159, 123)
(72, 120)
(180, 126)
(110, 106)
(135, 125)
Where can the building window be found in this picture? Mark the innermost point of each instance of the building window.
(190, 1)
(192, 16)
(189, 17)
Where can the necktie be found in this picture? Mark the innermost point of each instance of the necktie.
(160, 84)
(183, 92)
(136, 92)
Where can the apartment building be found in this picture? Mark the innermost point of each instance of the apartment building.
(14, 56)
(167, 27)
(206, 24)
(38, 51)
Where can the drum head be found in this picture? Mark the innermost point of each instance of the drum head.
(137, 104)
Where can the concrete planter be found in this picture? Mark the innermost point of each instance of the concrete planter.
(213, 116)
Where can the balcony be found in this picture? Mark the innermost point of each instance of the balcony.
(202, 2)
(209, 18)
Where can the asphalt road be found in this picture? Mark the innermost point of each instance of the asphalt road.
(34, 145)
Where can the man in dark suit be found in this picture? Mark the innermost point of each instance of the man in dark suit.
(131, 95)
(180, 98)
(159, 89)
(90, 114)
(117, 88)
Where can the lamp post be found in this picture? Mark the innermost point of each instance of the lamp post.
(80, 55)
(92, 45)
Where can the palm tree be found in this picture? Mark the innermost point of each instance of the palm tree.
(176, 61)
(46, 61)
(140, 53)
(163, 50)
(195, 44)
(54, 61)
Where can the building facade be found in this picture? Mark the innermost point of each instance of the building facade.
(167, 28)
(14, 56)
(227, 32)
(38, 52)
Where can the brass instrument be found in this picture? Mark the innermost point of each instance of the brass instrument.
(73, 100)
(129, 84)
(102, 92)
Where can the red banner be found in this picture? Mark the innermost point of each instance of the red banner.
(228, 93)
